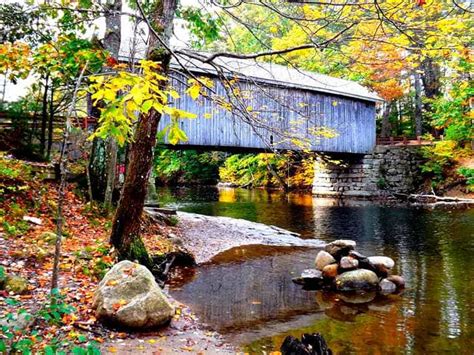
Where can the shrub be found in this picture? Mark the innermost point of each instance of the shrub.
(468, 173)
(440, 156)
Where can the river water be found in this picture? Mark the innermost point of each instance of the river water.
(247, 294)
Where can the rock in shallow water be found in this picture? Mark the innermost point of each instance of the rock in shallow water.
(129, 296)
(354, 280)
(384, 261)
(310, 278)
(340, 248)
(330, 271)
(348, 263)
(356, 255)
(309, 344)
(397, 280)
(323, 259)
(387, 286)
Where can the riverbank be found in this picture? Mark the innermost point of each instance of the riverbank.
(208, 236)
(27, 242)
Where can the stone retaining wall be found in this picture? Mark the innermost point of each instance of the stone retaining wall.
(387, 170)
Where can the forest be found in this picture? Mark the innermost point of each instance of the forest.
(119, 233)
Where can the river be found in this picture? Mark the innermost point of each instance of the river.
(247, 294)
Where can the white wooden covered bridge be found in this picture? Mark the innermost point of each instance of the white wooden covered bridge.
(284, 109)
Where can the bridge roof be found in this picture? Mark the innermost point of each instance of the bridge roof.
(275, 74)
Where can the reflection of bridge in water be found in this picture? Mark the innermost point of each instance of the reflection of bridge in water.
(278, 107)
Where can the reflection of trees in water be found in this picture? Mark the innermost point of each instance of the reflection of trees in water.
(241, 295)
(432, 250)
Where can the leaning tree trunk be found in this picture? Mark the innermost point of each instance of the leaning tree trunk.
(125, 236)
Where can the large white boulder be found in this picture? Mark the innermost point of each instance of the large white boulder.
(129, 296)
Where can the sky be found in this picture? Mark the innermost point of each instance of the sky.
(181, 39)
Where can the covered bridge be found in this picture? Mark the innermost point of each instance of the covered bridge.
(275, 107)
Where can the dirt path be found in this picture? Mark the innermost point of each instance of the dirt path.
(184, 335)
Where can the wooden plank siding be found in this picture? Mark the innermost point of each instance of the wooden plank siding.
(279, 110)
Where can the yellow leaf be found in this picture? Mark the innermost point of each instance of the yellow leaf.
(194, 91)
(174, 94)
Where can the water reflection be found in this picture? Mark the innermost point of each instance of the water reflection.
(248, 294)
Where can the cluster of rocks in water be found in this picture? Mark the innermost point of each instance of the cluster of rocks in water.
(340, 267)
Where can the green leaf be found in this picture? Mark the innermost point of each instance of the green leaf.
(147, 105)
(11, 302)
(3, 347)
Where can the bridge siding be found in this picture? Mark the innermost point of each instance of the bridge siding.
(353, 119)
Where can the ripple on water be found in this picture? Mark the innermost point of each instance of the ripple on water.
(248, 295)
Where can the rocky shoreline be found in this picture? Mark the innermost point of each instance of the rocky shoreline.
(207, 236)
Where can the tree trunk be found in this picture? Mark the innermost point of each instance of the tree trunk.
(112, 41)
(50, 123)
(431, 78)
(44, 117)
(125, 236)
(385, 129)
(113, 27)
(97, 169)
(418, 106)
(103, 158)
(111, 159)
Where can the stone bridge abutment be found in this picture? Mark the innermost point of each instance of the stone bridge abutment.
(388, 169)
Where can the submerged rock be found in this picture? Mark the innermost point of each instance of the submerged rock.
(360, 279)
(310, 344)
(397, 280)
(387, 286)
(348, 263)
(129, 296)
(340, 248)
(323, 259)
(310, 278)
